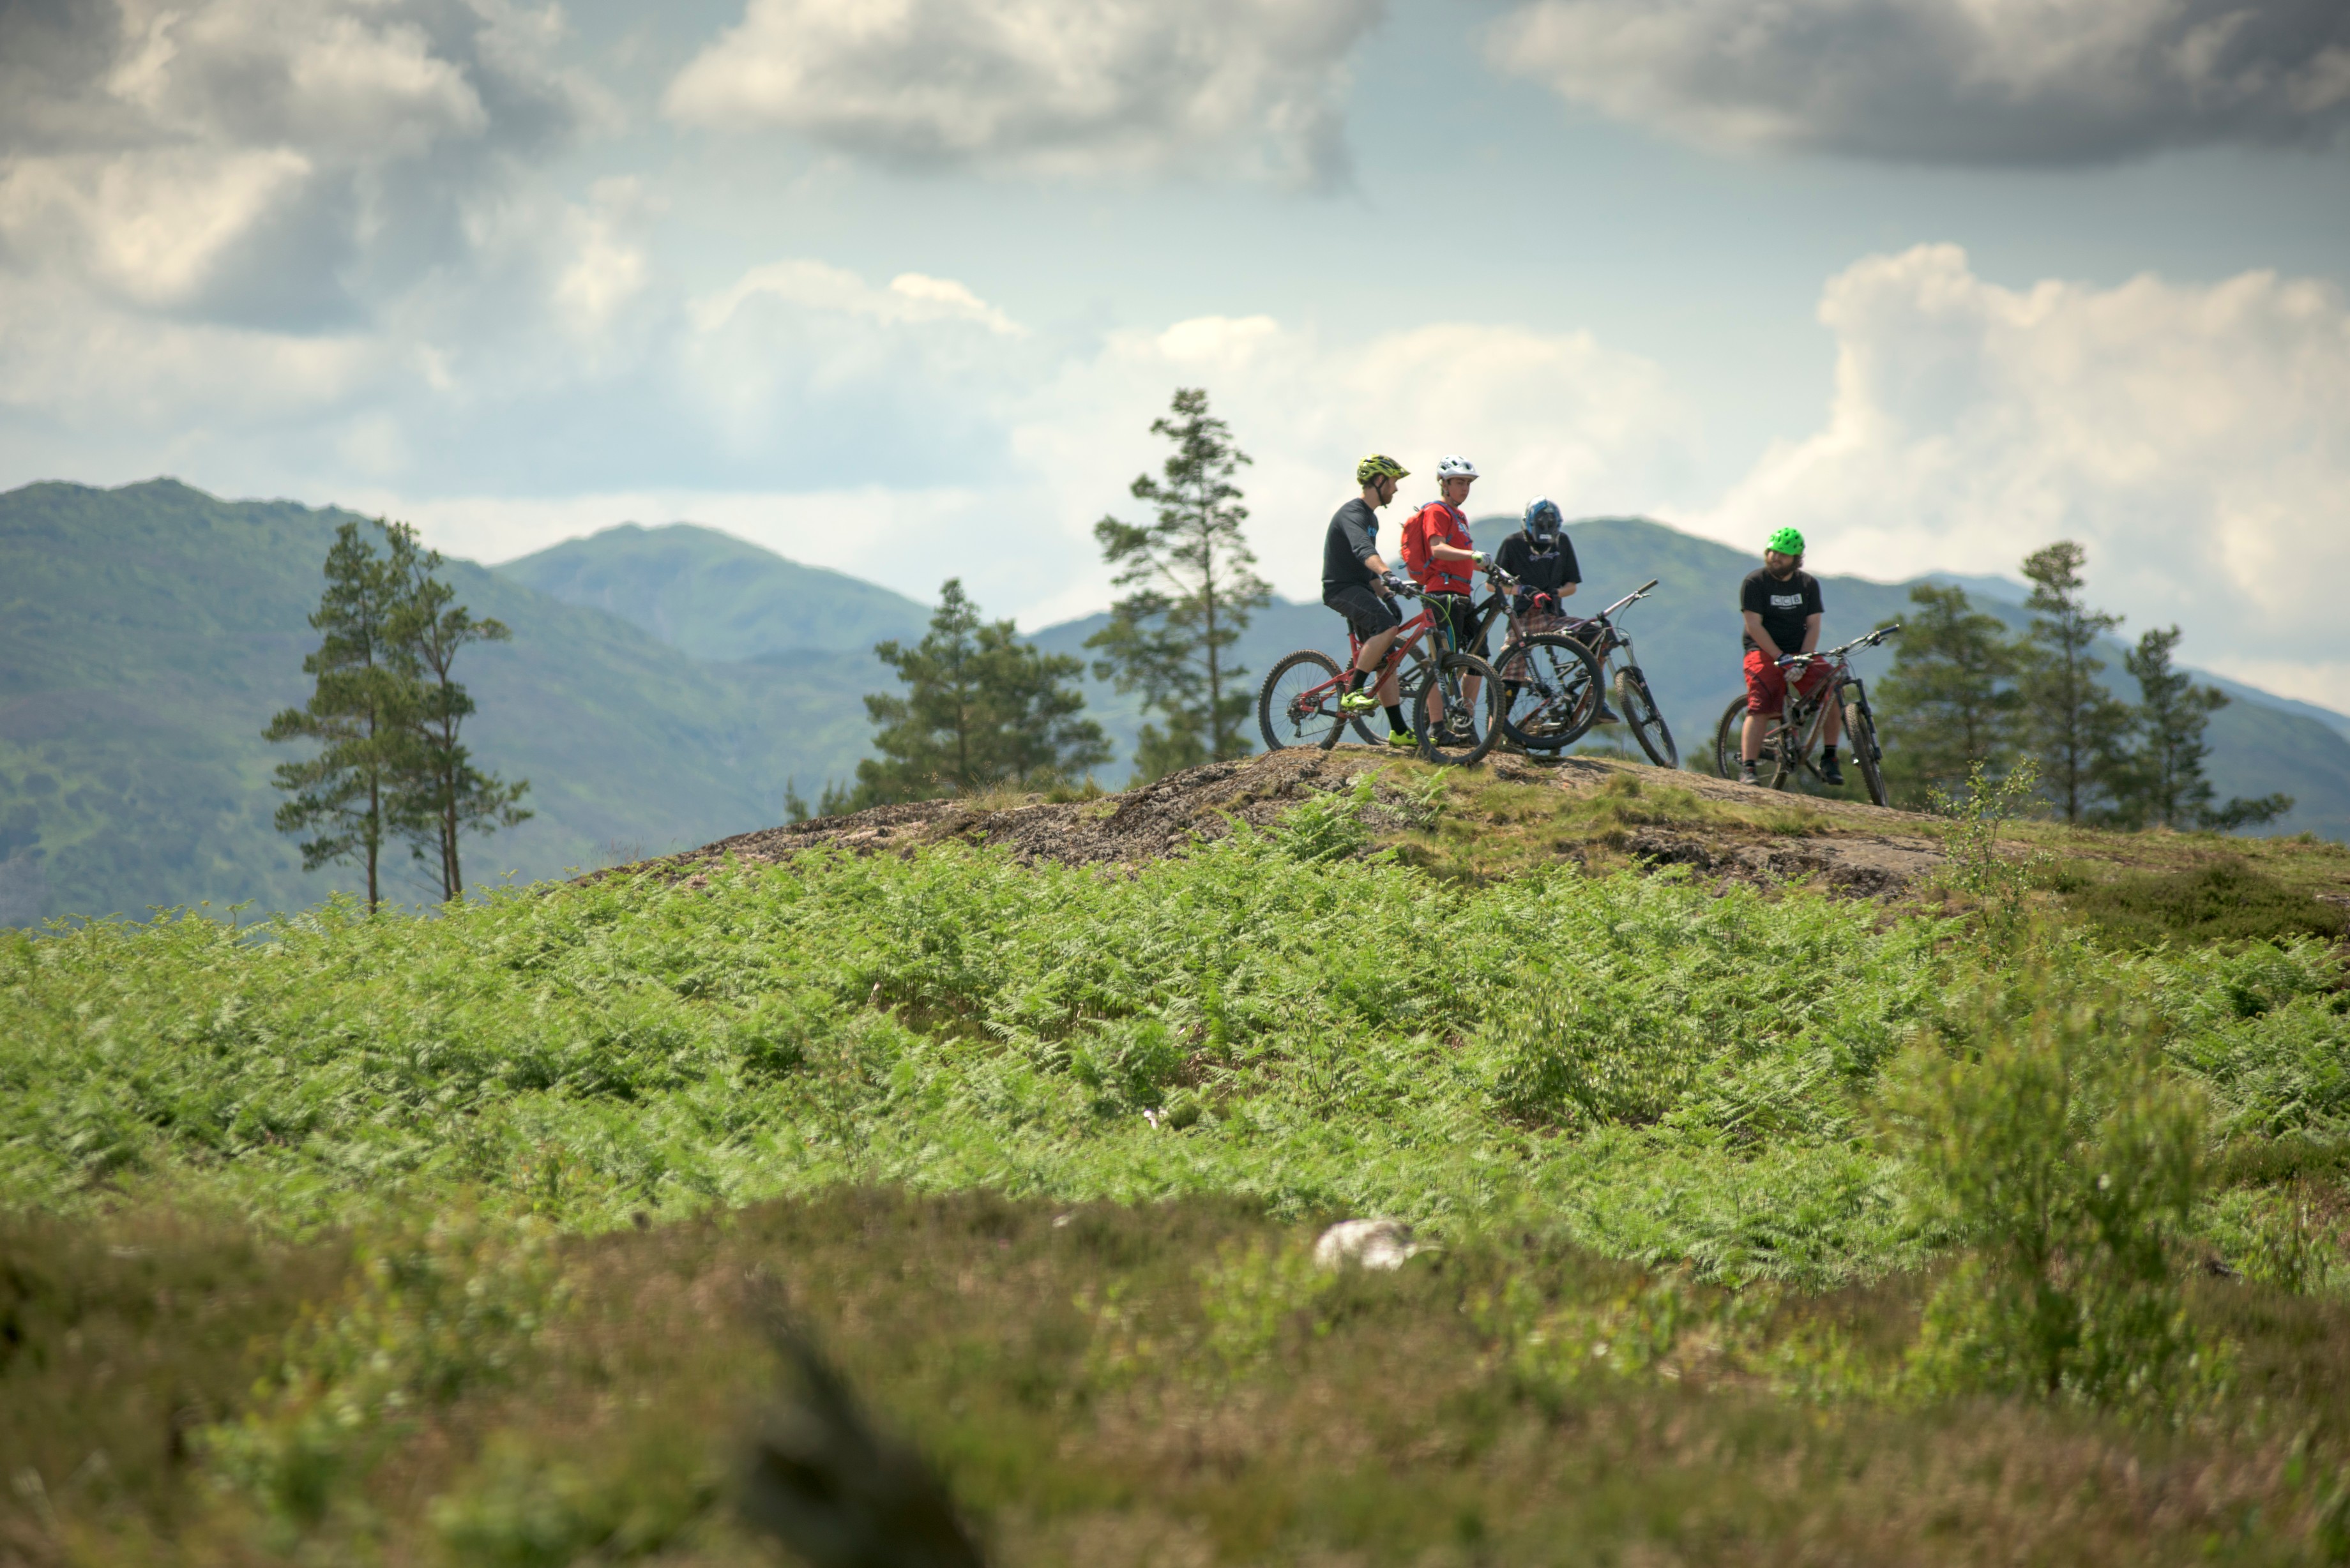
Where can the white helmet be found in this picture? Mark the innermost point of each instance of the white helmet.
(1455, 467)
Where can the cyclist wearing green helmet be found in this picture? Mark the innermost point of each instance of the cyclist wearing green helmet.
(1781, 606)
(1354, 583)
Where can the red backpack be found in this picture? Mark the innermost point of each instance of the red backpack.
(1444, 576)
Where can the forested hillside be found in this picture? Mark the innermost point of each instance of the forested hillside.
(664, 688)
(150, 631)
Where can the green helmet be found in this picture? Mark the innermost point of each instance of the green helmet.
(1786, 542)
(1378, 464)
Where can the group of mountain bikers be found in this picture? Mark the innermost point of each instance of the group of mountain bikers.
(1779, 602)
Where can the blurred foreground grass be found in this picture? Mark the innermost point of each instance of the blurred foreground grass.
(1773, 1227)
(1169, 1382)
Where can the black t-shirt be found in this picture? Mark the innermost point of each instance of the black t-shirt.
(1542, 571)
(1785, 604)
(1354, 534)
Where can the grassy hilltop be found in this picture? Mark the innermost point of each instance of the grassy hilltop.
(663, 687)
(446, 1240)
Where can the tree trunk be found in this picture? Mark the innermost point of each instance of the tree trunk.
(1215, 678)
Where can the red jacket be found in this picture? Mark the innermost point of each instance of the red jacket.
(1437, 524)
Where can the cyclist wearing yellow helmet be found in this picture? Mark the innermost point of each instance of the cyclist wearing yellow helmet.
(1353, 584)
(1783, 608)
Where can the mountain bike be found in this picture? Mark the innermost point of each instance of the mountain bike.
(1550, 683)
(1790, 740)
(1605, 639)
(1298, 703)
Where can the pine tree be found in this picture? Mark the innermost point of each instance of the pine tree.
(1194, 590)
(361, 710)
(1949, 701)
(982, 709)
(442, 795)
(2163, 785)
(2070, 722)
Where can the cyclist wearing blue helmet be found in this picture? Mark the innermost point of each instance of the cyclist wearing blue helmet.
(1542, 557)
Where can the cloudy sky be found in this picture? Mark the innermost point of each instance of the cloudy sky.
(898, 285)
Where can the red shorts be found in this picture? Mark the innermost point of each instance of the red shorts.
(1766, 683)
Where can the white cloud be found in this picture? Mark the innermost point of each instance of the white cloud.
(1552, 414)
(1990, 81)
(278, 162)
(2193, 437)
(910, 299)
(1064, 86)
(151, 228)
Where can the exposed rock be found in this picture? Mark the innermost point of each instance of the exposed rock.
(1368, 1243)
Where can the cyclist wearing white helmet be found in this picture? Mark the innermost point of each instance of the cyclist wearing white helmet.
(1440, 557)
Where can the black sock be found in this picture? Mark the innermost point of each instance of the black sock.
(1828, 754)
(1395, 719)
(1356, 684)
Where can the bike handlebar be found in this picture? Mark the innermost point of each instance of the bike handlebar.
(1870, 639)
(1635, 596)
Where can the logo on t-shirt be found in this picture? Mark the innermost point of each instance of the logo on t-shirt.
(1786, 601)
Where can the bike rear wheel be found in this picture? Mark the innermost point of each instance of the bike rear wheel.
(1453, 728)
(1729, 739)
(1638, 706)
(1860, 731)
(1550, 691)
(1298, 703)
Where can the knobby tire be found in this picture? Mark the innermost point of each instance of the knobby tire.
(1638, 704)
(1860, 731)
(1433, 707)
(1280, 728)
(1554, 693)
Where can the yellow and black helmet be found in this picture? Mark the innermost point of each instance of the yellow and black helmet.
(1379, 465)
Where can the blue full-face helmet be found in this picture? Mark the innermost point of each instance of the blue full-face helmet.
(1543, 521)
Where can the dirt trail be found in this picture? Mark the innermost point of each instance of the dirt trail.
(1866, 851)
(1857, 850)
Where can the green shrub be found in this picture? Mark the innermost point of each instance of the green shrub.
(1329, 826)
(2057, 1151)
(2227, 900)
(519, 1507)
(434, 1313)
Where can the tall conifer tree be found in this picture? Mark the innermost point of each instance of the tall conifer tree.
(2163, 784)
(2070, 722)
(1949, 700)
(1194, 590)
(981, 709)
(442, 795)
(361, 711)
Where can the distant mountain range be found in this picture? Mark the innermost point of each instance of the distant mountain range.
(663, 687)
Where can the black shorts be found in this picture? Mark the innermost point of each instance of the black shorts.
(1367, 613)
(1460, 612)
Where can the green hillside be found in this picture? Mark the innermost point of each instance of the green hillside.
(149, 632)
(715, 596)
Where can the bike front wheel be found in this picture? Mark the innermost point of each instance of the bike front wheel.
(1550, 691)
(1298, 703)
(1457, 715)
(1860, 731)
(1638, 706)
